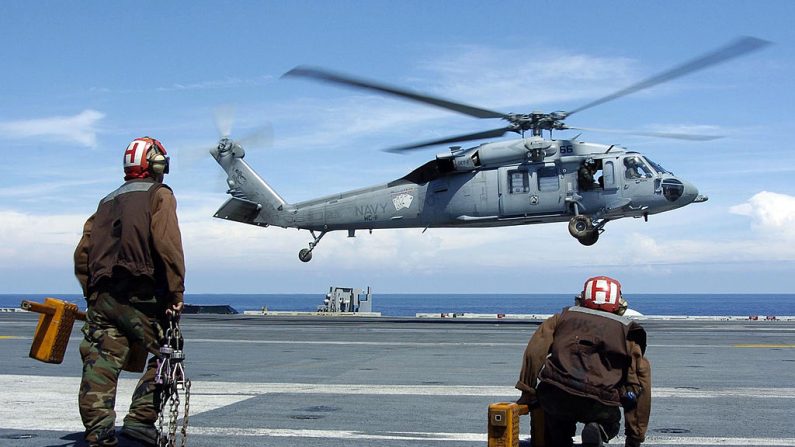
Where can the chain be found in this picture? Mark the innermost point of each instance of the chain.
(170, 380)
(185, 416)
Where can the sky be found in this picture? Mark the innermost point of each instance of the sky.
(80, 80)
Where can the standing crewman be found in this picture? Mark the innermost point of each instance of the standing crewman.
(132, 269)
(585, 175)
(585, 363)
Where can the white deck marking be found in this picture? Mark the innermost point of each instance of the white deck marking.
(468, 437)
(50, 403)
(427, 344)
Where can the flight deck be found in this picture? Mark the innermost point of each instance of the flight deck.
(358, 381)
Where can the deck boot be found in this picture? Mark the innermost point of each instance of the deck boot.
(592, 435)
(146, 435)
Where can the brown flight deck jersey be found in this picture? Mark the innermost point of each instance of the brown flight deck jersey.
(593, 354)
(135, 228)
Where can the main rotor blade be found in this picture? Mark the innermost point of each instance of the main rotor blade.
(336, 78)
(671, 135)
(494, 133)
(739, 47)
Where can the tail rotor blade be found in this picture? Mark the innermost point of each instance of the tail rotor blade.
(261, 137)
(224, 119)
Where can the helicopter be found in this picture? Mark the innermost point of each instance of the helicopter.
(530, 180)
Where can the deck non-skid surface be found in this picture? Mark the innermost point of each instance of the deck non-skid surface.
(261, 381)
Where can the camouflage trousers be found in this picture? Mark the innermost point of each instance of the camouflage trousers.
(116, 321)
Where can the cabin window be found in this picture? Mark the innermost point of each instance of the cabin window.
(608, 178)
(518, 182)
(548, 179)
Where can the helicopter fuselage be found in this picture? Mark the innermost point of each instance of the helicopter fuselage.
(517, 182)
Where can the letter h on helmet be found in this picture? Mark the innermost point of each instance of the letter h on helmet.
(603, 293)
(145, 157)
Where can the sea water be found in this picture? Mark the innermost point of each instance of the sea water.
(402, 305)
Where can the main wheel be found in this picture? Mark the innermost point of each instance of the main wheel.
(590, 238)
(580, 226)
(305, 255)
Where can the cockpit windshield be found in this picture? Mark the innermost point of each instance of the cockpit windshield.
(656, 166)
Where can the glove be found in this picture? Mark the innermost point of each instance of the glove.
(528, 399)
(629, 400)
(631, 442)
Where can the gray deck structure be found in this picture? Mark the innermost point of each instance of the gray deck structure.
(336, 381)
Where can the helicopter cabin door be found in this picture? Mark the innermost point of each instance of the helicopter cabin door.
(638, 178)
(531, 190)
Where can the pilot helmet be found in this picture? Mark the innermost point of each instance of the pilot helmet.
(145, 157)
(590, 162)
(603, 293)
(630, 161)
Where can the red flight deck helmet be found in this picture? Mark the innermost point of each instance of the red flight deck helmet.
(144, 157)
(603, 293)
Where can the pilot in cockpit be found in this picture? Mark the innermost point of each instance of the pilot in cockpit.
(631, 164)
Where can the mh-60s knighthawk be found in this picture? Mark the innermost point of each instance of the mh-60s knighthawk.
(525, 181)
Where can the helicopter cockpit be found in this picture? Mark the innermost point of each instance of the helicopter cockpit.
(636, 167)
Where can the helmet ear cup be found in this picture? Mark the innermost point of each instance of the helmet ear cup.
(158, 163)
(622, 306)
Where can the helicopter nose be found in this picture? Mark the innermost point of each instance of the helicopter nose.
(690, 193)
(680, 192)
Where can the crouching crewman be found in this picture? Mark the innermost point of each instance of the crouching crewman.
(584, 364)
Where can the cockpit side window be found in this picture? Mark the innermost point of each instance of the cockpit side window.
(635, 167)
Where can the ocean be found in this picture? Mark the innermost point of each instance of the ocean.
(404, 305)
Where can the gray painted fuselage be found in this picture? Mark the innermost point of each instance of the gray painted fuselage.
(506, 184)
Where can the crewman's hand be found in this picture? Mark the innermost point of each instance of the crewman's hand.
(175, 310)
(629, 400)
(528, 399)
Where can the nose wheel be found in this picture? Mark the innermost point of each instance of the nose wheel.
(305, 255)
(581, 227)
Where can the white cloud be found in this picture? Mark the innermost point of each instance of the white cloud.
(37, 190)
(80, 128)
(499, 77)
(229, 82)
(35, 241)
(249, 258)
(772, 214)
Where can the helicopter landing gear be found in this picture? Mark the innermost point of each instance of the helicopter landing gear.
(582, 228)
(590, 238)
(305, 255)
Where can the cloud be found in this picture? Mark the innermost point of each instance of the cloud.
(771, 213)
(224, 256)
(229, 82)
(37, 190)
(80, 128)
(500, 77)
(35, 241)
